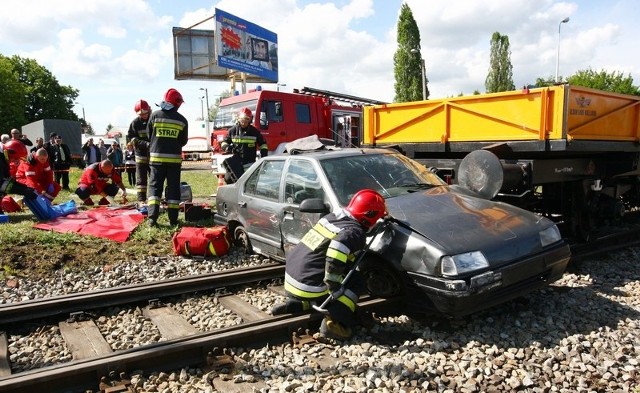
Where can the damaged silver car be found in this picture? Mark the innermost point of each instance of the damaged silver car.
(452, 250)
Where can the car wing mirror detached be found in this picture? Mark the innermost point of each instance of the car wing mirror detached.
(264, 123)
(314, 205)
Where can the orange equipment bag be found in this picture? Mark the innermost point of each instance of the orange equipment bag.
(204, 242)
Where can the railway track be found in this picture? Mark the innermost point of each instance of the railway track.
(93, 360)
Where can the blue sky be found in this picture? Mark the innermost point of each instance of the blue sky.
(118, 51)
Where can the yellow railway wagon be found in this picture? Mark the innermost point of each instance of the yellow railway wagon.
(554, 113)
(566, 152)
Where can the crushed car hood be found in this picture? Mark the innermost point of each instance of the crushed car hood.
(459, 223)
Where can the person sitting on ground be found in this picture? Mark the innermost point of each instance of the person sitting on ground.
(95, 181)
(36, 173)
(316, 267)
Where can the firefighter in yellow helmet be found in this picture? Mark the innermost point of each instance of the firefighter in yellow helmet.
(317, 266)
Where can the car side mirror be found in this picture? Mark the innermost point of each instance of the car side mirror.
(314, 205)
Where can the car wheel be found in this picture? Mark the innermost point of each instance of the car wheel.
(241, 239)
(380, 279)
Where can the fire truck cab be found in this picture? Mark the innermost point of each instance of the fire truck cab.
(283, 117)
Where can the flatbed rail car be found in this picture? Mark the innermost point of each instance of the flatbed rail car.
(568, 152)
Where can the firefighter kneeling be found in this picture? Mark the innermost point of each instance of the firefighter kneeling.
(317, 266)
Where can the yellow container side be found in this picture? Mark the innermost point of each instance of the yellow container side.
(557, 112)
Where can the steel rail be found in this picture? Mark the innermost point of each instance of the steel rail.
(83, 301)
(172, 354)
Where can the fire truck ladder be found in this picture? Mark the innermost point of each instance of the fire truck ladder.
(341, 97)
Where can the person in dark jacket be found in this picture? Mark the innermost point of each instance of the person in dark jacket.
(316, 267)
(138, 131)
(244, 139)
(61, 162)
(168, 132)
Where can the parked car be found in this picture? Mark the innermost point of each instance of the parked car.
(456, 252)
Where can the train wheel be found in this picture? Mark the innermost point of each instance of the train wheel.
(380, 279)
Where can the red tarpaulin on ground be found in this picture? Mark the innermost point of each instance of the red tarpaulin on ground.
(107, 223)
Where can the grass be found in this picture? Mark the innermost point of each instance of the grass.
(25, 250)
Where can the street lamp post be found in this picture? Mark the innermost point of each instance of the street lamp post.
(206, 94)
(280, 84)
(202, 107)
(565, 20)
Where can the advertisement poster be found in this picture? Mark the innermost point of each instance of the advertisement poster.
(246, 47)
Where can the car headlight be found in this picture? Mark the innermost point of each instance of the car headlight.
(550, 235)
(463, 263)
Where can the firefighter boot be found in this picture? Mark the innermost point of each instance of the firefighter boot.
(88, 202)
(333, 330)
(104, 202)
(289, 307)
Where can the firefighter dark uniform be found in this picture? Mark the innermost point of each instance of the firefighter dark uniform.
(317, 266)
(245, 140)
(168, 133)
(324, 256)
(138, 131)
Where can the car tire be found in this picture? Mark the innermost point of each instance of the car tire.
(241, 239)
(380, 279)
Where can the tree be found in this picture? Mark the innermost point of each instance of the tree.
(41, 95)
(407, 61)
(12, 99)
(500, 77)
(213, 110)
(614, 81)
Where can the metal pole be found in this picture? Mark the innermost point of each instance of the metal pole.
(424, 85)
(565, 20)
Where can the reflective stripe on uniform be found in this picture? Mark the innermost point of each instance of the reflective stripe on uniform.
(299, 289)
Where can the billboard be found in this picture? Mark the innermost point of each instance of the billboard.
(246, 47)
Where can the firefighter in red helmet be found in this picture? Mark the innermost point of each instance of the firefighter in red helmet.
(138, 131)
(244, 139)
(168, 132)
(316, 267)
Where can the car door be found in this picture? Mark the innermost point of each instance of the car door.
(301, 181)
(261, 207)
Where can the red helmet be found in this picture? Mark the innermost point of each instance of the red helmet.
(245, 113)
(367, 207)
(15, 150)
(142, 107)
(173, 97)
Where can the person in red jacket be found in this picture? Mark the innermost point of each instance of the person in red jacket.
(95, 181)
(36, 173)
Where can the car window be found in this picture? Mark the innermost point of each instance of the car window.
(301, 182)
(385, 173)
(303, 113)
(265, 181)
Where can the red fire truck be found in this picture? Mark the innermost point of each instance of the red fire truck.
(283, 117)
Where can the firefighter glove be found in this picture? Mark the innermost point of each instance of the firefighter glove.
(228, 148)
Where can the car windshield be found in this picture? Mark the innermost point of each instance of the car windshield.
(226, 116)
(389, 174)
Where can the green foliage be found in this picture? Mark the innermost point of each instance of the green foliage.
(33, 94)
(613, 81)
(407, 60)
(500, 77)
